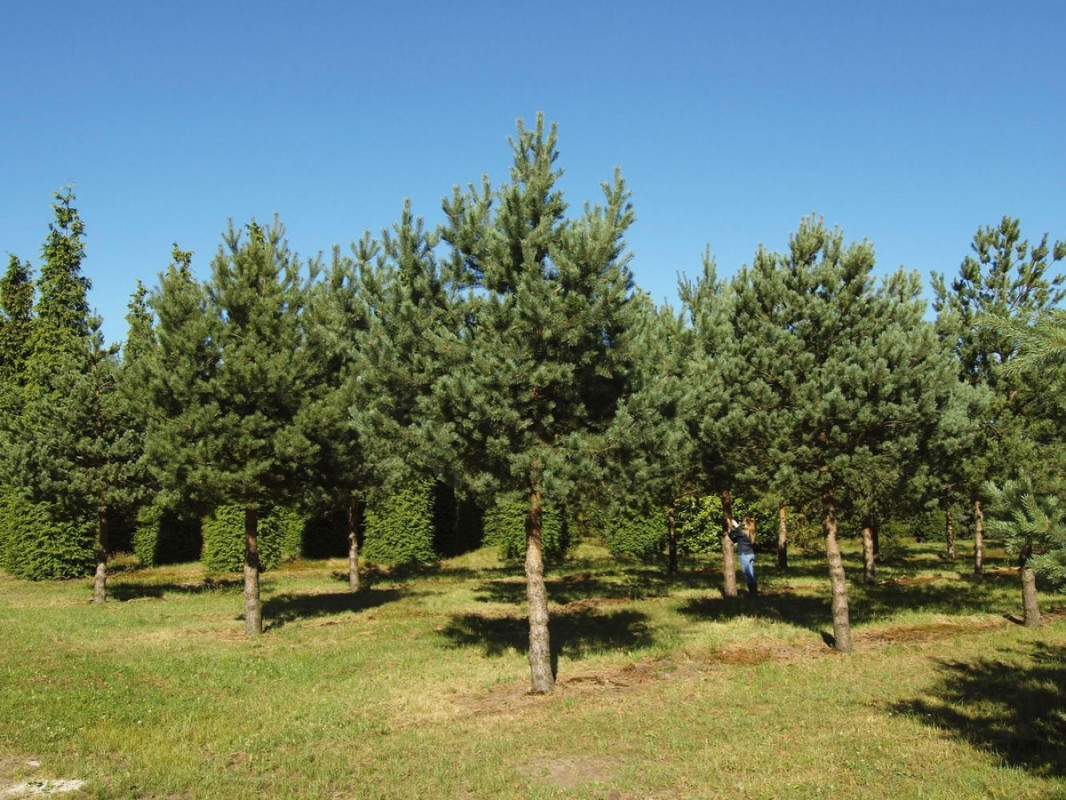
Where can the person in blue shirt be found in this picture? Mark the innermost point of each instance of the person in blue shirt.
(744, 539)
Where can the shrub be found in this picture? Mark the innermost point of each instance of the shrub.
(399, 527)
(505, 528)
(279, 528)
(165, 536)
(36, 547)
(637, 533)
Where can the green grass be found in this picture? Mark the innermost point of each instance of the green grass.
(416, 687)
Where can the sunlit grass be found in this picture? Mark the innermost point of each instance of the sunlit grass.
(416, 687)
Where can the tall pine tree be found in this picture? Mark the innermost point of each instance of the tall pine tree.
(544, 357)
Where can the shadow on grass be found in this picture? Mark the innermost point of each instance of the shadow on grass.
(286, 608)
(869, 603)
(806, 611)
(629, 583)
(574, 633)
(140, 591)
(1012, 711)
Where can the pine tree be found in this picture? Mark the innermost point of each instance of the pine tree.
(544, 360)
(1005, 280)
(843, 380)
(229, 383)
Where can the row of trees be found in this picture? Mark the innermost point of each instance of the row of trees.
(508, 352)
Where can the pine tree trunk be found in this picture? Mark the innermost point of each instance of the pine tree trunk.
(671, 534)
(837, 579)
(868, 556)
(729, 562)
(541, 679)
(100, 580)
(353, 546)
(782, 535)
(1030, 604)
(978, 539)
(253, 607)
(949, 532)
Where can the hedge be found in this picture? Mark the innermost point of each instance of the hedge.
(400, 527)
(35, 546)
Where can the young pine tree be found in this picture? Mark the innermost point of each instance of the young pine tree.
(544, 360)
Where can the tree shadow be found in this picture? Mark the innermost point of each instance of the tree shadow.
(934, 595)
(285, 608)
(805, 611)
(1012, 711)
(575, 633)
(141, 591)
(628, 584)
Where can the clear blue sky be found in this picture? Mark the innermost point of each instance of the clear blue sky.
(909, 123)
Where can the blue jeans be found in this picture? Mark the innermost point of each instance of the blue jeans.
(747, 566)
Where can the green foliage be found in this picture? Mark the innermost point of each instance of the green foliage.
(280, 532)
(1032, 527)
(16, 321)
(36, 547)
(699, 523)
(637, 533)
(505, 528)
(399, 527)
(164, 536)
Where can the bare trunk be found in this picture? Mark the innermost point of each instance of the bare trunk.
(353, 546)
(671, 534)
(949, 533)
(729, 561)
(100, 580)
(837, 579)
(542, 681)
(782, 535)
(1030, 605)
(253, 607)
(868, 556)
(978, 539)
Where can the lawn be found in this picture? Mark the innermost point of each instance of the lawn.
(417, 687)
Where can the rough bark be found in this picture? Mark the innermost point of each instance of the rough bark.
(542, 681)
(253, 607)
(729, 561)
(869, 558)
(100, 579)
(978, 539)
(353, 546)
(782, 535)
(1030, 604)
(837, 579)
(671, 533)
(949, 533)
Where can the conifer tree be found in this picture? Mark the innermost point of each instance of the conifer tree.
(843, 379)
(16, 321)
(62, 309)
(228, 384)
(544, 356)
(79, 448)
(1005, 279)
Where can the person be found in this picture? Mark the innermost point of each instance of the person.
(744, 539)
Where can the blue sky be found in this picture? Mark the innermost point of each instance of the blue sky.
(909, 124)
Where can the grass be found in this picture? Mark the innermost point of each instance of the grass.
(417, 686)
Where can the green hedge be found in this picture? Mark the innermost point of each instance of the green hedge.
(165, 536)
(637, 533)
(400, 527)
(36, 547)
(280, 530)
(505, 528)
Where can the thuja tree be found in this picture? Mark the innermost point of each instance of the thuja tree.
(228, 382)
(544, 357)
(80, 449)
(16, 321)
(1007, 279)
(842, 378)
